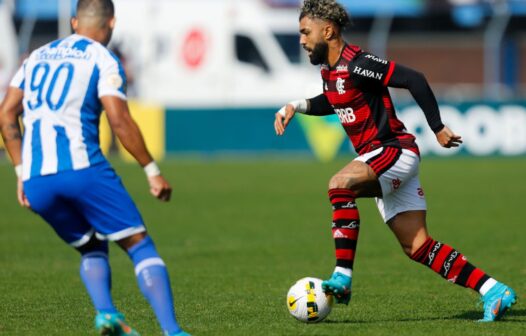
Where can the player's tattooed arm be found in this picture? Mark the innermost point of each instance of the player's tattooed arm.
(10, 111)
(11, 131)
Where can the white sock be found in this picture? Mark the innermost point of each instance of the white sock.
(487, 286)
(343, 270)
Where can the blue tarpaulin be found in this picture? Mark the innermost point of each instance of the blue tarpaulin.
(42, 9)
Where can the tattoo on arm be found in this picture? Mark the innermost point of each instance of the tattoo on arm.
(11, 132)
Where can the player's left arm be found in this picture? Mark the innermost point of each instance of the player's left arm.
(112, 94)
(10, 111)
(130, 136)
(416, 83)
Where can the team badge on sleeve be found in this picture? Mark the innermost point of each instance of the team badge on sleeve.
(115, 81)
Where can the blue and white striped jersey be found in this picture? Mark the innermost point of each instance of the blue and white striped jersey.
(62, 83)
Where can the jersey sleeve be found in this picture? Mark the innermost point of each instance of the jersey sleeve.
(19, 79)
(112, 79)
(319, 106)
(370, 71)
(414, 81)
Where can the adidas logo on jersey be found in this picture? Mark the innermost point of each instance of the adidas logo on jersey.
(341, 68)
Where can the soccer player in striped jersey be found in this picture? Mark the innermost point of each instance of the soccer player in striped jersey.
(355, 87)
(60, 90)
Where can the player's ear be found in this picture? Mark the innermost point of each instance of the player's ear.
(328, 32)
(74, 23)
(112, 22)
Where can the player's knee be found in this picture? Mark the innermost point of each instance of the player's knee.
(93, 245)
(411, 248)
(340, 181)
(408, 250)
(144, 250)
(128, 242)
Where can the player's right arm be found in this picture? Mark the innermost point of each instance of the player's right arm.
(10, 111)
(316, 106)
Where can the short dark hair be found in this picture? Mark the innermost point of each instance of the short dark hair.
(328, 10)
(96, 8)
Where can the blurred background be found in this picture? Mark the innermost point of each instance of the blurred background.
(205, 77)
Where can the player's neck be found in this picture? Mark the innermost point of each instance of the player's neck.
(335, 51)
(94, 34)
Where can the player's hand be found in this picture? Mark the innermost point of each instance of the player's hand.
(281, 121)
(447, 139)
(160, 188)
(21, 196)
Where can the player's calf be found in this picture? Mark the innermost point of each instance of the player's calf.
(454, 267)
(154, 283)
(345, 229)
(95, 272)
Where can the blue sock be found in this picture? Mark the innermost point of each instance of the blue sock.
(154, 283)
(96, 275)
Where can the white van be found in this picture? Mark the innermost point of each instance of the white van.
(8, 47)
(213, 53)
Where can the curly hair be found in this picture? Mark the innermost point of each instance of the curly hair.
(328, 10)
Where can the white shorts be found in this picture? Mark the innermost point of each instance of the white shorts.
(398, 179)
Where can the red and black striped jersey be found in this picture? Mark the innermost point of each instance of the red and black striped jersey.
(356, 88)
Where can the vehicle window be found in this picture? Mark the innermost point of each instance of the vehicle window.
(290, 43)
(247, 52)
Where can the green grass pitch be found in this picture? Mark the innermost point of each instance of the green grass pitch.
(238, 234)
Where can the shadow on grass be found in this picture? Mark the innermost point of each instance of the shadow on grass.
(472, 315)
(475, 315)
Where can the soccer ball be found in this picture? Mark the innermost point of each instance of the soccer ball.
(307, 302)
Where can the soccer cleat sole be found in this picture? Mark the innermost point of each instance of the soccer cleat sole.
(107, 331)
(343, 298)
(505, 309)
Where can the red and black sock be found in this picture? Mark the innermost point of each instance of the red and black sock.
(450, 264)
(345, 225)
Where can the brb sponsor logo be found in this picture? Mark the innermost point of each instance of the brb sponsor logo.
(493, 129)
(346, 115)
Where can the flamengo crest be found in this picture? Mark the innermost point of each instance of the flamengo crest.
(340, 85)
